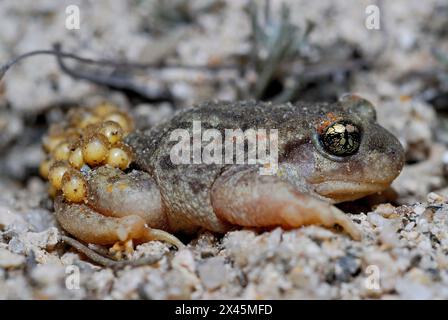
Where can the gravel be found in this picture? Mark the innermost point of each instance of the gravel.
(403, 254)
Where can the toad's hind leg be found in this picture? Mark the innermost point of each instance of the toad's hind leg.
(90, 226)
(119, 207)
(116, 194)
(246, 198)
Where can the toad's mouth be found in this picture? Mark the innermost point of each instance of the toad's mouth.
(340, 191)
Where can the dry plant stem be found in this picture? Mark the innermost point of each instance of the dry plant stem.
(112, 81)
(107, 262)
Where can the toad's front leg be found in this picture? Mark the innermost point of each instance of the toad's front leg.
(246, 198)
(119, 207)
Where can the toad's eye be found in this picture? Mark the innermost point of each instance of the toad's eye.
(341, 139)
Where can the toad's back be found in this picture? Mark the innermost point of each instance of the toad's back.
(186, 188)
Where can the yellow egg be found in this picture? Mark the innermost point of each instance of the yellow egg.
(88, 120)
(52, 191)
(62, 151)
(119, 158)
(81, 118)
(103, 109)
(44, 168)
(56, 134)
(50, 142)
(122, 119)
(112, 131)
(74, 186)
(57, 171)
(76, 158)
(95, 149)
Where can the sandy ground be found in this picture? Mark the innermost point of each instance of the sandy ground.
(402, 68)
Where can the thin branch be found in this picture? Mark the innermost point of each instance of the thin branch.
(107, 262)
(111, 81)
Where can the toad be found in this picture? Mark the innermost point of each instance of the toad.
(113, 183)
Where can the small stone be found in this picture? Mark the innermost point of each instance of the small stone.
(42, 240)
(40, 219)
(16, 246)
(100, 282)
(346, 267)
(422, 225)
(8, 217)
(178, 287)
(17, 228)
(434, 198)
(412, 235)
(425, 244)
(388, 236)
(445, 157)
(377, 220)
(419, 209)
(410, 290)
(10, 260)
(45, 274)
(184, 259)
(127, 282)
(385, 209)
(213, 272)
(409, 226)
(150, 249)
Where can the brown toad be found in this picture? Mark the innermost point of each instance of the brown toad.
(327, 153)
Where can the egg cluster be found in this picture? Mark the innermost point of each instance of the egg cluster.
(88, 138)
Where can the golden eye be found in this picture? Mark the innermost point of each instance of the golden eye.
(341, 138)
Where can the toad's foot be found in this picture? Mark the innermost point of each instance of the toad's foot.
(120, 248)
(126, 248)
(245, 198)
